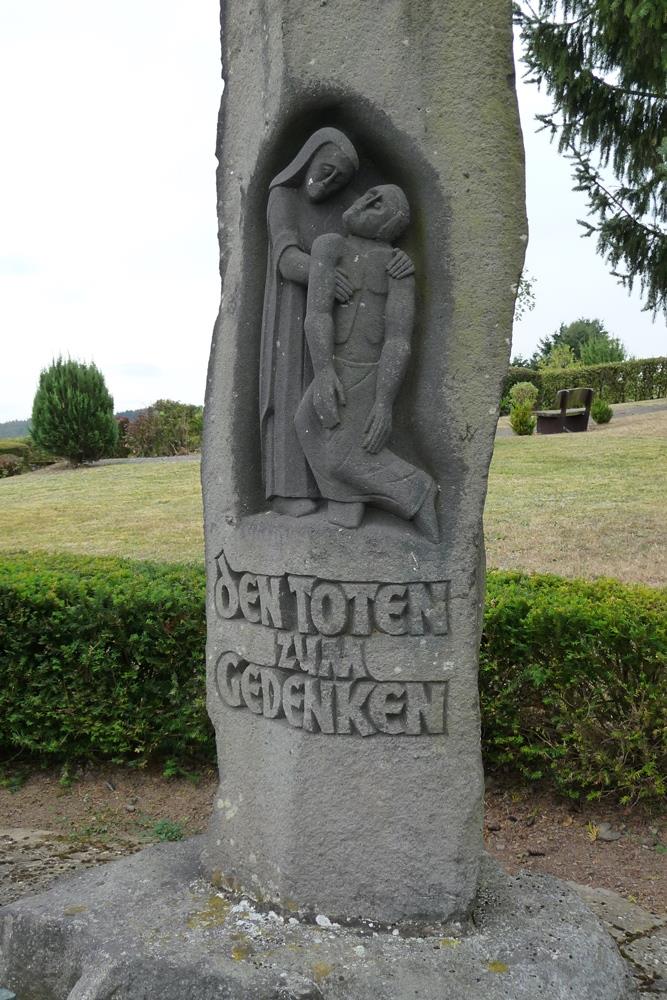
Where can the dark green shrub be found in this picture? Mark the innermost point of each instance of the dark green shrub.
(601, 411)
(574, 686)
(72, 413)
(104, 658)
(504, 406)
(101, 658)
(10, 465)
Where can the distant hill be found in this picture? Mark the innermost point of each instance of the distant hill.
(20, 428)
(130, 414)
(14, 428)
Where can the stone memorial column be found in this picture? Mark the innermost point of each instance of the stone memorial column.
(372, 234)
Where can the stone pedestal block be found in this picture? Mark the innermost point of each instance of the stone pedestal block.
(150, 926)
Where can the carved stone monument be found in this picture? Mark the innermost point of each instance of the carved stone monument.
(372, 234)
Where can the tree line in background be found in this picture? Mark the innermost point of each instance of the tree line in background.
(73, 415)
(583, 342)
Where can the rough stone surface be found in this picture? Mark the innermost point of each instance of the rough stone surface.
(649, 956)
(640, 935)
(31, 860)
(625, 920)
(149, 926)
(373, 810)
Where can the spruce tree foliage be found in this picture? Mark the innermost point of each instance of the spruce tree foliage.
(72, 413)
(604, 66)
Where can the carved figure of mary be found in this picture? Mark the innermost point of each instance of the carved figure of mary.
(302, 206)
(306, 200)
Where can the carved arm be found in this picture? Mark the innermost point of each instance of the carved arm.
(399, 318)
(294, 265)
(328, 391)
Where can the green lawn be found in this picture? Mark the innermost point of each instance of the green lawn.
(146, 510)
(578, 504)
(582, 504)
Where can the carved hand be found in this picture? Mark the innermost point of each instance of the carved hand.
(378, 428)
(328, 392)
(400, 265)
(343, 287)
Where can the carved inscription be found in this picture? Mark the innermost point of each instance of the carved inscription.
(334, 657)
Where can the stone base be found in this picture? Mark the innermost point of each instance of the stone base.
(149, 927)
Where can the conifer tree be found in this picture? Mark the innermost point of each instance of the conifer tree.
(604, 65)
(72, 413)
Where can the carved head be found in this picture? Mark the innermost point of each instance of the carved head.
(324, 165)
(382, 213)
(329, 171)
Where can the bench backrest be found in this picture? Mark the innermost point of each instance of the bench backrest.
(567, 398)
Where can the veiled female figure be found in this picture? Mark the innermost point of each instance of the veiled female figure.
(306, 200)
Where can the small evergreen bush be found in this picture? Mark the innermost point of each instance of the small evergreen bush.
(523, 396)
(601, 411)
(522, 420)
(72, 413)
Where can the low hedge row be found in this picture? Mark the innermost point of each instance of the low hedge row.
(101, 657)
(26, 451)
(621, 382)
(104, 658)
(573, 683)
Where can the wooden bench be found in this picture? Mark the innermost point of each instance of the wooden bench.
(574, 407)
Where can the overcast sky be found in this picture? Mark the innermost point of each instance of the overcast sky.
(108, 245)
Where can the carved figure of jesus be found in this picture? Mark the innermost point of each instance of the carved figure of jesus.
(360, 351)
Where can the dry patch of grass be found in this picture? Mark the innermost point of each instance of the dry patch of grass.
(583, 504)
(576, 504)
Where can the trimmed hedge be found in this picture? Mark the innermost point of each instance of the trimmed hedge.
(619, 382)
(104, 658)
(27, 451)
(573, 683)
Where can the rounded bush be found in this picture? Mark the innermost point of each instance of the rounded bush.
(601, 411)
(523, 394)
